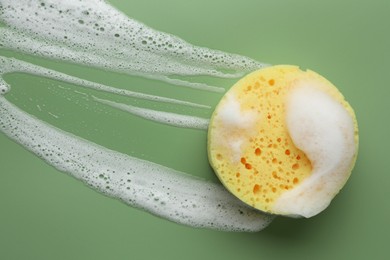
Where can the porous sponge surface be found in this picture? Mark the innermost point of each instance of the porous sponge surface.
(249, 145)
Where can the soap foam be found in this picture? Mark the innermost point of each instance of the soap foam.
(9, 65)
(94, 33)
(233, 116)
(160, 116)
(154, 188)
(236, 124)
(322, 128)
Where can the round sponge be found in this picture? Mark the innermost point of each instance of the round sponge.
(283, 141)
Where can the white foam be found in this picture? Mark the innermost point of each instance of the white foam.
(94, 33)
(323, 129)
(236, 123)
(236, 148)
(167, 118)
(231, 115)
(154, 188)
(53, 115)
(8, 65)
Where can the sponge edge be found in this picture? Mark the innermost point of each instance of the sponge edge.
(283, 141)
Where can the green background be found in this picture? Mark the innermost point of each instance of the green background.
(45, 214)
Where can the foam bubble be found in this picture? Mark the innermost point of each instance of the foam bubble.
(4, 87)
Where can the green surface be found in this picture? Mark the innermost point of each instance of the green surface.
(45, 214)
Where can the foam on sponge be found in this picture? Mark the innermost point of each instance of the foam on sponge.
(283, 140)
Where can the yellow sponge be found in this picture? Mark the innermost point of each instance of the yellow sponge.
(253, 137)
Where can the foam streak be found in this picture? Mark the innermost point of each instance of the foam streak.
(154, 188)
(167, 118)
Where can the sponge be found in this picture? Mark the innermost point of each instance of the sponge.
(283, 141)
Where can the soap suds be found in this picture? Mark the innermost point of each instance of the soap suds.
(236, 125)
(159, 116)
(154, 188)
(53, 115)
(235, 146)
(324, 131)
(233, 116)
(9, 65)
(96, 34)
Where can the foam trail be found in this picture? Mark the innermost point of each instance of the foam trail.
(53, 115)
(154, 188)
(9, 65)
(167, 118)
(26, 44)
(94, 33)
(194, 85)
